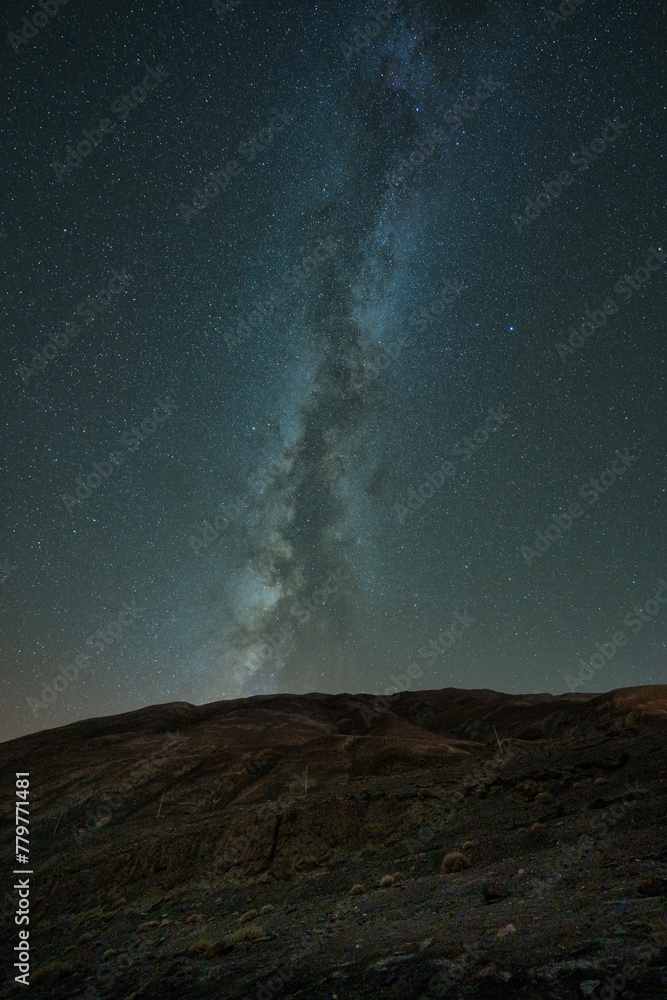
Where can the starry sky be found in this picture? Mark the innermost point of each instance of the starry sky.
(296, 357)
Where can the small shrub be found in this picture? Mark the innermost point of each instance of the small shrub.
(248, 915)
(267, 909)
(543, 799)
(455, 861)
(397, 875)
(469, 844)
(357, 889)
(109, 953)
(147, 924)
(600, 781)
(387, 880)
(85, 937)
(194, 918)
(538, 828)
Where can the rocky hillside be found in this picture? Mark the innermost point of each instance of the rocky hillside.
(447, 843)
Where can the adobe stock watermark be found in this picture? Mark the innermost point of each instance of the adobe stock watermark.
(131, 439)
(607, 650)
(453, 972)
(265, 648)
(625, 287)
(436, 479)
(372, 28)
(566, 8)
(109, 971)
(115, 799)
(426, 147)
(211, 533)
(383, 355)
(222, 7)
(122, 107)
(573, 853)
(293, 279)
(386, 354)
(382, 703)
(616, 983)
(482, 775)
(276, 468)
(6, 570)
(30, 28)
(447, 639)
(88, 308)
(552, 189)
(221, 179)
(420, 319)
(274, 984)
(214, 530)
(238, 847)
(563, 522)
(102, 639)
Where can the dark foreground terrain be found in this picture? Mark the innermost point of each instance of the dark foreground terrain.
(292, 846)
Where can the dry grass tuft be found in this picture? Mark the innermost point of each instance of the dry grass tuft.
(455, 861)
(249, 933)
(538, 828)
(469, 844)
(600, 781)
(203, 946)
(248, 915)
(148, 923)
(85, 937)
(267, 909)
(543, 799)
(387, 880)
(357, 889)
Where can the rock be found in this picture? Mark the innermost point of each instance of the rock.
(655, 886)
(491, 893)
(503, 932)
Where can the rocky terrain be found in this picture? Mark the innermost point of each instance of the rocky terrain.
(294, 847)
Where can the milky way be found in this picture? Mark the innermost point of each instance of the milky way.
(353, 372)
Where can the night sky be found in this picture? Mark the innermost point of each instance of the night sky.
(250, 320)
